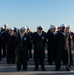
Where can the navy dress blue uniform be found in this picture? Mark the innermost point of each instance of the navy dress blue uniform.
(39, 49)
(22, 51)
(11, 49)
(62, 49)
(30, 45)
(51, 47)
(0, 47)
(4, 34)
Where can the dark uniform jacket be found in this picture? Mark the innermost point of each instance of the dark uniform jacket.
(22, 45)
(30, 39)
(39, 40)
(11, 48)
(62, 47)
(51, 45)
(51, 39)
(0, 46)
(11, 41)
(39, 48)
(1, 40)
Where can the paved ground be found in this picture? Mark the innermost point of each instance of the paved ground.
(10, 69)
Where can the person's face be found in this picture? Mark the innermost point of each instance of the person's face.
(68, 29)
(59, 29)
(63, 29)
(53, 29)
(6, 27)
(28, 29)
(21, 32)
(11, 32)
(39, 30)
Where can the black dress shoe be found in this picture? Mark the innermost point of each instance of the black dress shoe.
(4, 56)
(13, 62)
(68, 68)
(50, 63)
(24, 69)
(8, 62)
(35, 69)
(57, 69)
(43, 69)
(0, 59)
(18, 69)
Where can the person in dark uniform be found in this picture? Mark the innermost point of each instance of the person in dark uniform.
(39, 40)
(11, 47)
(22, 41)
(71, 34)
(62, 48)
(15, 31)
(59, 28)
(4, 34)
(0, 45)
(29, 33)
(51, 44)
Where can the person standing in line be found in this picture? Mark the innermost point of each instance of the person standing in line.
(0, 45)
(22, 42)
(29, 33)
(4, 34)
(51, 44)
(11, 46)
(71, 34)
(39, 40)
(62, 48)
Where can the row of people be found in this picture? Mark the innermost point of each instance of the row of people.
(59, 46)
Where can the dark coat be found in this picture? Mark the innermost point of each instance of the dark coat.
(39, 40)
(4, 42)
(39, 43)
(0, 47)
(22, 51)
(51, 46)
(62, 48)
(11, 41)
(30, 40)
(39, 49)
(5, 35)
(11, 48)
(22, 45)
(1, 40)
